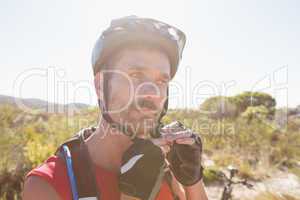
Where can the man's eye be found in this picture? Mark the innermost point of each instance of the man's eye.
(136, 75)
(162, 82)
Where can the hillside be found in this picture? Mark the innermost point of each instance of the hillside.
(38, 104)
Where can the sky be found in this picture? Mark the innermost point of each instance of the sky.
(232, 46)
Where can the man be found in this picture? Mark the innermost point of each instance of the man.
(133, 62)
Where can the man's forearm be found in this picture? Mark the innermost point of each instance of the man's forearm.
(196, 191)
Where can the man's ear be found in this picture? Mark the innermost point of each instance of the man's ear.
(98, 82)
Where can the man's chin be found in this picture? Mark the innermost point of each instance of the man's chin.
(145, 114)
(141, 123)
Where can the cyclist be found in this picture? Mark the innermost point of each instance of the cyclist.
(124, 156)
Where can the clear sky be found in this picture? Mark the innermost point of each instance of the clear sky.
(45, 47)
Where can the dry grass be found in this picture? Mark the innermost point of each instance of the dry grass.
(272, 196)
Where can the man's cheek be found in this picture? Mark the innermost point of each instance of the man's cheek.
(123, 90)
(124, 94)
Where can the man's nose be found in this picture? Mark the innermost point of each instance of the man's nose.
(149, 89)
(151, 92)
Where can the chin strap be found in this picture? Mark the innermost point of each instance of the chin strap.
(104, 112)
(156, 133)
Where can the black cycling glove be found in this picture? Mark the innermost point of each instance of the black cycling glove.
(142, 170)
(185, 160)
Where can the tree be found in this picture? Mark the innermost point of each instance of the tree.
(219, 107)
(247, 99)
(257, 112)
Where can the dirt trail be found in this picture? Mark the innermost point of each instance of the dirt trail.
(282, 183)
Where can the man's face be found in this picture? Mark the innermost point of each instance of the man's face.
(137, 87)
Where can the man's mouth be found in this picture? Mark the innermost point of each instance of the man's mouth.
(146, 106)
(147, 110)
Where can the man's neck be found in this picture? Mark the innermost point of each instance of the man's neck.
(106, 147)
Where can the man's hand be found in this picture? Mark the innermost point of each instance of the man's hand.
(185, 155)
(142, 170)
(185, 162)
